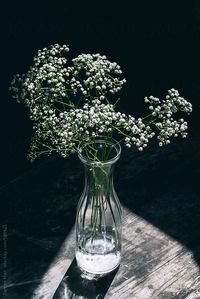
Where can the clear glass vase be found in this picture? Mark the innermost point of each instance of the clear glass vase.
(98, 219)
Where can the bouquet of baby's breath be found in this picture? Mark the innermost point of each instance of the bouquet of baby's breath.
(74, 103)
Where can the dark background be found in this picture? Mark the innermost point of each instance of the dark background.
(155, 42)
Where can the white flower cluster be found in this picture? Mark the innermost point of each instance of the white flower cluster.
(95, 74)
(162, 112)
(64, 130)
(47, 78)
(69, 104)
(50, 79)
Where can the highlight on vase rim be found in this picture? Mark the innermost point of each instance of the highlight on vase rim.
(74, 102)
(102, 150)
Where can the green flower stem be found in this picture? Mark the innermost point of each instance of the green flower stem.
(99, 204)
(66, 104)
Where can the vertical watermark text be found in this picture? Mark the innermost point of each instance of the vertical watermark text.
(4, 256)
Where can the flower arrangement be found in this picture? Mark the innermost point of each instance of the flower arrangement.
(73, 104)
(74, 109)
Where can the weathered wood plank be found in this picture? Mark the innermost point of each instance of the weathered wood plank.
(153, 265)
(57, 269)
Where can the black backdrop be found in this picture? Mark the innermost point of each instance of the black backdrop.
(155, 42)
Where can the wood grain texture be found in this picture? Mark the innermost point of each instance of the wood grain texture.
(153, 265)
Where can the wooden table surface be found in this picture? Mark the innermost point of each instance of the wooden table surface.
(159, 192)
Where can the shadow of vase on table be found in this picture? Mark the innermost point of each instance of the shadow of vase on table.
(75, 285)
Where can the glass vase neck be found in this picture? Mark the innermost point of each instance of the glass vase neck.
(101, 152)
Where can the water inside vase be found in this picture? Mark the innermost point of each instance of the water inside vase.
(98, 254)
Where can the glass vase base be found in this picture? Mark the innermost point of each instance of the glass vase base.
(94, 266)
(95, 276)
